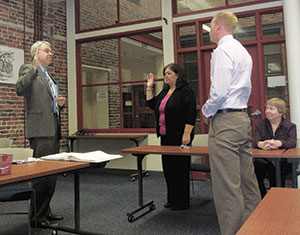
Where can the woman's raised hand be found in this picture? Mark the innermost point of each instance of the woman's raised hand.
(150, 80)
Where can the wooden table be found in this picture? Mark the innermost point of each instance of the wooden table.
(33, 170)
(277, 214)
(274, 156)
(293, 156)
(141, 151)
(28, 171)
(135, 137)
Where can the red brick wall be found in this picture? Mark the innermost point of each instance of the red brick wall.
(16, 31)
(95, 13)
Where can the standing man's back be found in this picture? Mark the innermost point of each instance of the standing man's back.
(235, 188)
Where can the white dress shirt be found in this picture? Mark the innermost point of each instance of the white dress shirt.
(231, 67)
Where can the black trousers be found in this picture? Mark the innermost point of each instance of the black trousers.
(265, 169)
(177, 175)
(44, 187)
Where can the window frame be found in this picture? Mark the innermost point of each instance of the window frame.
(120, 83)
(117, 24)
(199, 49)
(225, 7)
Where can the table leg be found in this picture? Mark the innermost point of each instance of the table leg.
(278, 172)
(144, 173)
(295, 173)
(75, 230)
(150, 204)
(77, 201)
(72, 145)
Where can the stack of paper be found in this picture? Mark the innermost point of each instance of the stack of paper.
(95, 156)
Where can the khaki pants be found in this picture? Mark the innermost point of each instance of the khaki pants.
(235, 188)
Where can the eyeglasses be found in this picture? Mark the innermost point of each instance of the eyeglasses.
(48, 51)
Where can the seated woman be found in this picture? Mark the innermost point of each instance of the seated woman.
(273, 132)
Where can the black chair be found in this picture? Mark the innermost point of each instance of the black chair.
(18, 194)
(198, 167)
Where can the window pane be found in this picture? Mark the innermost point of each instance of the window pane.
(95, 13)
(205, 33)
(136, 113)
(141, 54)
(191, 68)
(275, 71)
(100, 62)
(246, 29)
(273, 58)
(272, 48)
(187, 36)
(196, 5)
(94, 75)
(134, 10)
(101, 107)
(100, 104)
(272, 25)
(273, 63)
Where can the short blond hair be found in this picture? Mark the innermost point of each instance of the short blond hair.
(279, 104)
(228, 19)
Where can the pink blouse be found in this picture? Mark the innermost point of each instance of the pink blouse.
(162, 123)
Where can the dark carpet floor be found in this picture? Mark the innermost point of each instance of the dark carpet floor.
(107, 195)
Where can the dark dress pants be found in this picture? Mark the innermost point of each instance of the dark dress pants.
(265, 169)
(177, 175)
(44, 187)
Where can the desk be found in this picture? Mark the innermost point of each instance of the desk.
(140, 153)
(293, 156)
(28, 171)
(277, 214)
(275, 156)
(133, 137)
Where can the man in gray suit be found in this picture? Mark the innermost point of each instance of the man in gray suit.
(43, 104)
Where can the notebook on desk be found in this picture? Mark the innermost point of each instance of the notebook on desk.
(93, 157)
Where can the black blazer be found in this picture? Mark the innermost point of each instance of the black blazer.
(180, 110)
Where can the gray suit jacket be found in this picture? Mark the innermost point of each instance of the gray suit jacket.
(34, 86)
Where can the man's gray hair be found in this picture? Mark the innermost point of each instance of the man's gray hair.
(36, 45)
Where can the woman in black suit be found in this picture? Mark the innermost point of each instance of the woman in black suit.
(175, 113)
(273, 132)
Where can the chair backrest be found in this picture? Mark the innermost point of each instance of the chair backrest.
(5, 142)
(18, 153)
(201, 140)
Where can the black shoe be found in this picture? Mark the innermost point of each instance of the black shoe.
(54, 217)
(43, 224)
(167, 205)
(177, 208)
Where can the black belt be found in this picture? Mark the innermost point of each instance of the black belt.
(231, 110)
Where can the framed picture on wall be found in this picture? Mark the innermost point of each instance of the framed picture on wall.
(10, 61)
